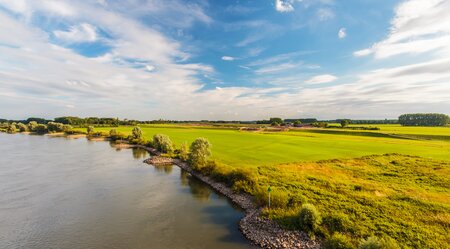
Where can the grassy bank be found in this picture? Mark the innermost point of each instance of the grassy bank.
(404, 197)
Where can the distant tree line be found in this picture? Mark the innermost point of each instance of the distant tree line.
(424, 119)
(365, 121)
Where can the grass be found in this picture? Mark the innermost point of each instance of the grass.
(250, 149)
(359, 189)
(404, 197)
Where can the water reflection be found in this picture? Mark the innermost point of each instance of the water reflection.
(164, 168)
(139, 153)
(198, 189)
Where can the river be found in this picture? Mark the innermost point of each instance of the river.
(72, 193)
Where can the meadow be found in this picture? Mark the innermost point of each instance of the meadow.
(250, 149)
(391, 182)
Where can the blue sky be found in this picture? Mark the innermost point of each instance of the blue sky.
(245, 60)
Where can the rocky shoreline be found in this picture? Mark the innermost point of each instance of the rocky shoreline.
(261, 231)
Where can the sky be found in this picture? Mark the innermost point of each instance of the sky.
(224, 60)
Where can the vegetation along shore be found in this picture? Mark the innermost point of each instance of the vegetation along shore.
(331, 185)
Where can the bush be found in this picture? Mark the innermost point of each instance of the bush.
(338, 241)
(41, 128)
(12, 128)
(344, 123)
(162, 143)
(296, 200)
(376, 243)
(199, 153)
(336, 223)
(242, 180)
(309, 217)
(54, 127)
(67, 128)
(184, 152)
(113, 134)
(32, 125)
(22, 127)
(137, 133)
(278, 198)
(90, 130)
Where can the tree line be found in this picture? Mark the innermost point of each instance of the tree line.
(424, 119)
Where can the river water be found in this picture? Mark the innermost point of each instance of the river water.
(73, 193)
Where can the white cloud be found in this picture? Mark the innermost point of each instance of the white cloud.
(342, 33)
(418, 27)
(228, 58)
(363, 52)
(320, 79)
(325, 14)
(150, 68)
(37, 76)
(284, 5)
(83, 32)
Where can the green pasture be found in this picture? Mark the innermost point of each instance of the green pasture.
(243, 148)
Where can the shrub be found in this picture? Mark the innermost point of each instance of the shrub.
(344, 123)
(32, 125)
(22, 127)
(12, 128)
(90, 130)
(162, 143)
(296, 200)
(137, 133)
(376, 243)
(336, 222)
(113, 134)
(54, 127)
(309, 217)
(338, 241)
(41, 128)
(242, 180)
(278, 198)
(199, 153)
(67, 128)
(184, 152)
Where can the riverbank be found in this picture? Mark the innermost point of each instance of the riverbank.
(261, 231)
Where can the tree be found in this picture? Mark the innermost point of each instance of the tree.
(184, 152)
(137, 133)
(275, 124)
(32, 125)
(67, 128)
(12, 128)
(162, 143)
(424, 119)
(297, 123)
(344, 123)
(277, 120)
(90, 130)
(55, 127)
(22, 127)
(113, 133)
(41, 128)
(200, 151)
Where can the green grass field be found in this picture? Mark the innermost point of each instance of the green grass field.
(251, 149)
(359, 190)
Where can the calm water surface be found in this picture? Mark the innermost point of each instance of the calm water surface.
(72, 193)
